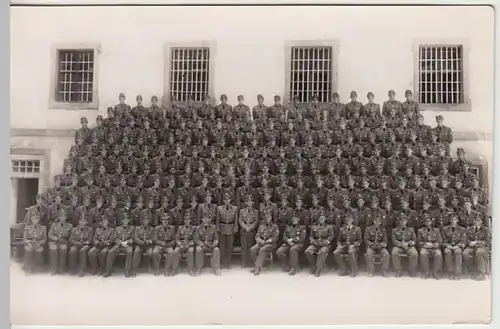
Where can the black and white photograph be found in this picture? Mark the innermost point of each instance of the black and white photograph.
(251, 165)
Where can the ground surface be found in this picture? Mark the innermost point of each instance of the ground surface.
(237, 297)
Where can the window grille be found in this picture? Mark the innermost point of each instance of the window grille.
(75, 76)
(441, 74)
(311, 73)
(26, 166)
(189, 73)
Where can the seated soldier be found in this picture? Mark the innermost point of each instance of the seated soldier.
(58, 243)
(124, 242)
(248, 221)
(478, 238)
(80, 241)
(404, 241)
(348, 242)
(184, 241)
(102, 241)
(265, 242)
(454, 241)
(207, 241)
(164, 239)
(320, 237)
(34, 239)
(429, 242)
(293, 243)
(143, 241)
(376, 246)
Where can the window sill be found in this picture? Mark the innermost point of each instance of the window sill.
(54, 105)
(464, 107)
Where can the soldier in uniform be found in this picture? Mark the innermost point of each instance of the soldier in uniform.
(478, 237)
(164, 240)
(404, 241)
(444, 134)
(34, 239)
(184, 241)
(144, 243)
(353, 106)
(266, 240)
(410, 105)
(349, 241)
(207, 240)
(40, 209)
(227, 224)
(223, 108)
(102, 241)
(59, 234)
(248, 222)
(275, 111)
(293, 239)
(84, 131)
(124, 242)
(207, 209)
(391, 104)
(320, 237)
(454, 241)
(429, 241)
(375, 238)
(56, 208)
(80, 240)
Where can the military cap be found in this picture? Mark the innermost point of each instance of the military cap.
(277, 97)
(370, 94)
(336, 95)
(99, 118)
(354, 94)
(391, 92)
(439, 117)
(223, 97)
(240, 97)
(460, 150)
(408, 92)
(121, 95)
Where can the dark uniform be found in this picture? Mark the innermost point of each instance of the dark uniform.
(227, 224)
(349, 240)
(59, 234)
(124, 237)
(34, 239)
(478, 238)
(429, 241)
(293, 239)
(104, 238)
(164, 239)
(207, 241)
(144, 243)
(266, 240)
(320, 237)
(454, 241)
(184, 241)
(248, 222)
(404, 241)
(80, 241)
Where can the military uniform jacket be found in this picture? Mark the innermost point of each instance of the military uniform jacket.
(432, 235)
(454, 236)
(123, 234)
(444, 134)
(35, 234)
(353, 107)
(96, 216)
(267, 233)
(249, 218)
(81, 235)
(375, 237)
(164, 236)
(402, 235)
(410, 106)
(284, 215)
(54, 210)
(295, 232)
(185, 235)
(227, 219)
(207, 210)
(481, 235)
(441, 217)
(206, 235)
(321, 235)
(389, 105)
(42, 212)
(104, 236)
(271, 206)
(59, 230)
(142, 234)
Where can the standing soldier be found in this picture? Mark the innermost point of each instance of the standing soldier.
(454, 241)
(227, 225)
(337, 107)
(80, 241)
(429, 241)
(121, 108)
(266, 240)
(284, 214)
(444, 134)
(248, 222)
(349, 240)
(207, 240)
(58, 235)
(275, 111)
(294, 236)
(404, 241)
(34, 239)
(206, 109)
(124, 236)
(376, 246)
(478, 238)
(353, 106)
(241, 110)
(38, 209)
(320, 237)
(164, 240)
(207, 209)
(391, 105)
(371, 110)
(104, 237)
(410, 105)
(267, 205)
(56, 208)
(223, 108)
(143, 241)
(184, 241)
(259, 110)
(84, 132)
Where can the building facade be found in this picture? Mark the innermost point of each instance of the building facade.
(285, 51)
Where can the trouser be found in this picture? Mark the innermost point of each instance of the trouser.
(33, 256)
(136, 258)
(158, 252)
(412, 258)
(370, 256)
(58, 254)
(453, 260)
(477, 255)
(260, 252)
(352, 259)
(316, 256)
(78, 255)
(437, 260)
(179, 252)
(200, 257)
(97, 257)
(226, 249)
(247, 240)
(112, 255)
(289, 255)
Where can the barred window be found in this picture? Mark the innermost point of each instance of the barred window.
(440, 74)
(311, 73)
(26, 166)
(75, 76)
(189, 73)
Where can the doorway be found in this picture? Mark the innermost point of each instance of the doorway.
(27, 189)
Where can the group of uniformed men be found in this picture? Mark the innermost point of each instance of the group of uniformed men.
(189, 181)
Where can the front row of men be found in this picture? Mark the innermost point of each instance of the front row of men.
(259, 241)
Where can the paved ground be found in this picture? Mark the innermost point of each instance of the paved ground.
(237, 297)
